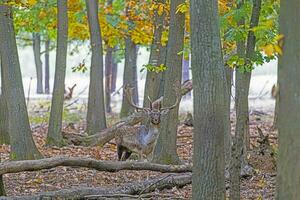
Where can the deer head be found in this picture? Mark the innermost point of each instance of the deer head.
(155, 110)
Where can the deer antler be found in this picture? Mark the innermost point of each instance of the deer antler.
(151, 102)
(128, 93)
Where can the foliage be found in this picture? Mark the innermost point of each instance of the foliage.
(154, 68)
(266, 33)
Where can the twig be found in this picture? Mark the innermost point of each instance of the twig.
(118, 90)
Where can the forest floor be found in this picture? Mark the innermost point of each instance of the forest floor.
(259, 186)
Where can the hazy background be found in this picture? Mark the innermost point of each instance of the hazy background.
(263, 78)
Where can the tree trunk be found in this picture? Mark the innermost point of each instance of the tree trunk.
(166, 149)
(96, 119)
(186, 74)
(288, 175)
(162, 59)
(114, 75)
(47, 66)
(130, 75)
(108, 72)
(209, 84)
(38, 62)
(241, 138)
(22, 144)
(54, 136)
(4, 134)
(228, 136)
(108, 78)
(152, 84)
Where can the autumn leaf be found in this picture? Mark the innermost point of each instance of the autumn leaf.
(268, 49)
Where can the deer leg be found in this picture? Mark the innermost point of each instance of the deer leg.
(120, 152)
(140, 156)
(127, 154)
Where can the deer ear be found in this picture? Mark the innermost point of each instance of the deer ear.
(164, 112)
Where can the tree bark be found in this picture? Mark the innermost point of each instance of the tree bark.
(47, 66)
(4, 134)
(288, 175)
(139, 188)
(241, 139)
(22, 144)
(130, 75)
(152, 84)
(54, 136)
(166, 149)
(108, 78)
(210, 96)
(38, 62)
(96, 119)
(162, 59)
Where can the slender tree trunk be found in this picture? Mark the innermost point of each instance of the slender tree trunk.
(4, 134)
(288, 176)
(47, 66)
(241, 138)
(38, 62)
(228, 136)
(186, 74)
(130, 75)
(114, 75)
(96, 119)
(108, 72)
(152, 84)
(22, 144)
(54, 136)
(108, 78)
(209, 87)
(166, 149)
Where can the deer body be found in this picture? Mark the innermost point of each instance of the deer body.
(141, 139)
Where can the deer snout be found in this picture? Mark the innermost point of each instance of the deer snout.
(155, 121)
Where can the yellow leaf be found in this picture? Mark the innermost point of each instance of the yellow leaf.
(31, 2)
(278, 49)
(160, 9)
(268, 49)
(279, 37)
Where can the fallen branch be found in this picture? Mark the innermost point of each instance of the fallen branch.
(108, 166)
(126, 189)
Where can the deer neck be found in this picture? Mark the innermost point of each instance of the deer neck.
(153, 132)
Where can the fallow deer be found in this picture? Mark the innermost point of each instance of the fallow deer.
(141, 139)
(69, 95)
